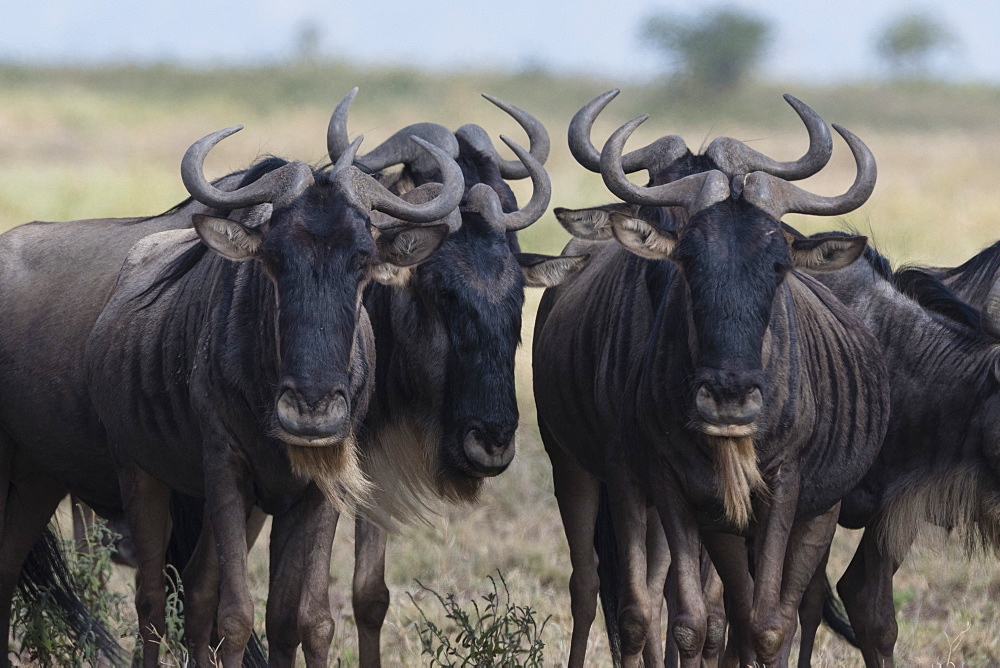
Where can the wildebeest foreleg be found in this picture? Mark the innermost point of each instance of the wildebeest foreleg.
(808, 547)
(767, 625)
(628, 510)
(811, 612)
(228, 506)
(201, 596)
(370, 595)
(866, 590)
(688, 624)
(711, 585)
(729, 553)
(147, 507)
(298, 601)
(201, 589)
(577, 493)
(657, 565)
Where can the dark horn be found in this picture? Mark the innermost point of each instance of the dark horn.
(397, 149)
(580, 127)
(658, 155)
(694, 192)
(277, 187)
(734, 157)
(381, 199)
(484, 199)
(337, 139)
(778, 197)
(538, 140)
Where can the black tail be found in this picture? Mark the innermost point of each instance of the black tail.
(46, 579)
(609, 572)
(187, 514)
(836, 617)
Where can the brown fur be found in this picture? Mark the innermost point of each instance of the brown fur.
(964, 500)
(336, 471)
(738, 474)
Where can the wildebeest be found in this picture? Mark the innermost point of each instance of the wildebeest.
(691, 363)
(444, 411)
(940, 461)
(56, 278)
(234, 363)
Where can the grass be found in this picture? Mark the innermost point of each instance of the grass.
(108, 142)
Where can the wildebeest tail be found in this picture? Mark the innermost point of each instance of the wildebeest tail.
(609, 572)
(47, 581)
(836, 617)
(188, 514)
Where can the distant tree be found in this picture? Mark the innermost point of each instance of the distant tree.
(718, 49)
(908, 43)
(307, 42)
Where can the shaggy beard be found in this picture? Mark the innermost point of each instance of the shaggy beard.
(336, 471)
(739, 476)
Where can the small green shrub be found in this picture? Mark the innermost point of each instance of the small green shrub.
(43, 632)
(499, 633)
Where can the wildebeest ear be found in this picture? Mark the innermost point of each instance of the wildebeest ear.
(547, 271)
(400, 249)
(827, 253)
(227, 237)
(590, 224)
(641, 238)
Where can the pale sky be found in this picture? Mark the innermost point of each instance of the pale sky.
(818, 42)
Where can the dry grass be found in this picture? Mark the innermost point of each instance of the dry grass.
(77, 145)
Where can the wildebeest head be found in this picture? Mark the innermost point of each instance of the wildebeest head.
(319, 238)
(717, 218)
(464, 303)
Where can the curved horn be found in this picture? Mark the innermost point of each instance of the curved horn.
(346, 159)
(778, 197)
(278, 187)
(694, 192)
(397, 149)
(377, 197)
(337, 139)
(484, 200)
(538, 141)
(734, 157)
(658, 155)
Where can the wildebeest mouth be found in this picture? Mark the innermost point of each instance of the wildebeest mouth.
(342, 436)
(725, 430)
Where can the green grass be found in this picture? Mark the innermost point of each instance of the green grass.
(77, 143)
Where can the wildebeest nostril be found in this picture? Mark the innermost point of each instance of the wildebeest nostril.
(321, 419)
(487, 456)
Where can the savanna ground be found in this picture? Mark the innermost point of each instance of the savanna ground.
(108, 142)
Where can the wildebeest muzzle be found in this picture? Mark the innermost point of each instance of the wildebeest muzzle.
(727, 403)
(489, 449)
(321, 419)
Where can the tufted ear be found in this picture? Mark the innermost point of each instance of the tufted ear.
(227, 237)
(547, 271)
(826, 253)
(641, 238)
(591, 224)
(399, 250)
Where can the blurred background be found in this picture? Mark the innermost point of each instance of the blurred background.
(100, 99)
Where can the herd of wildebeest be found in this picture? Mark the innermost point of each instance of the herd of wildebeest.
(715, 390)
